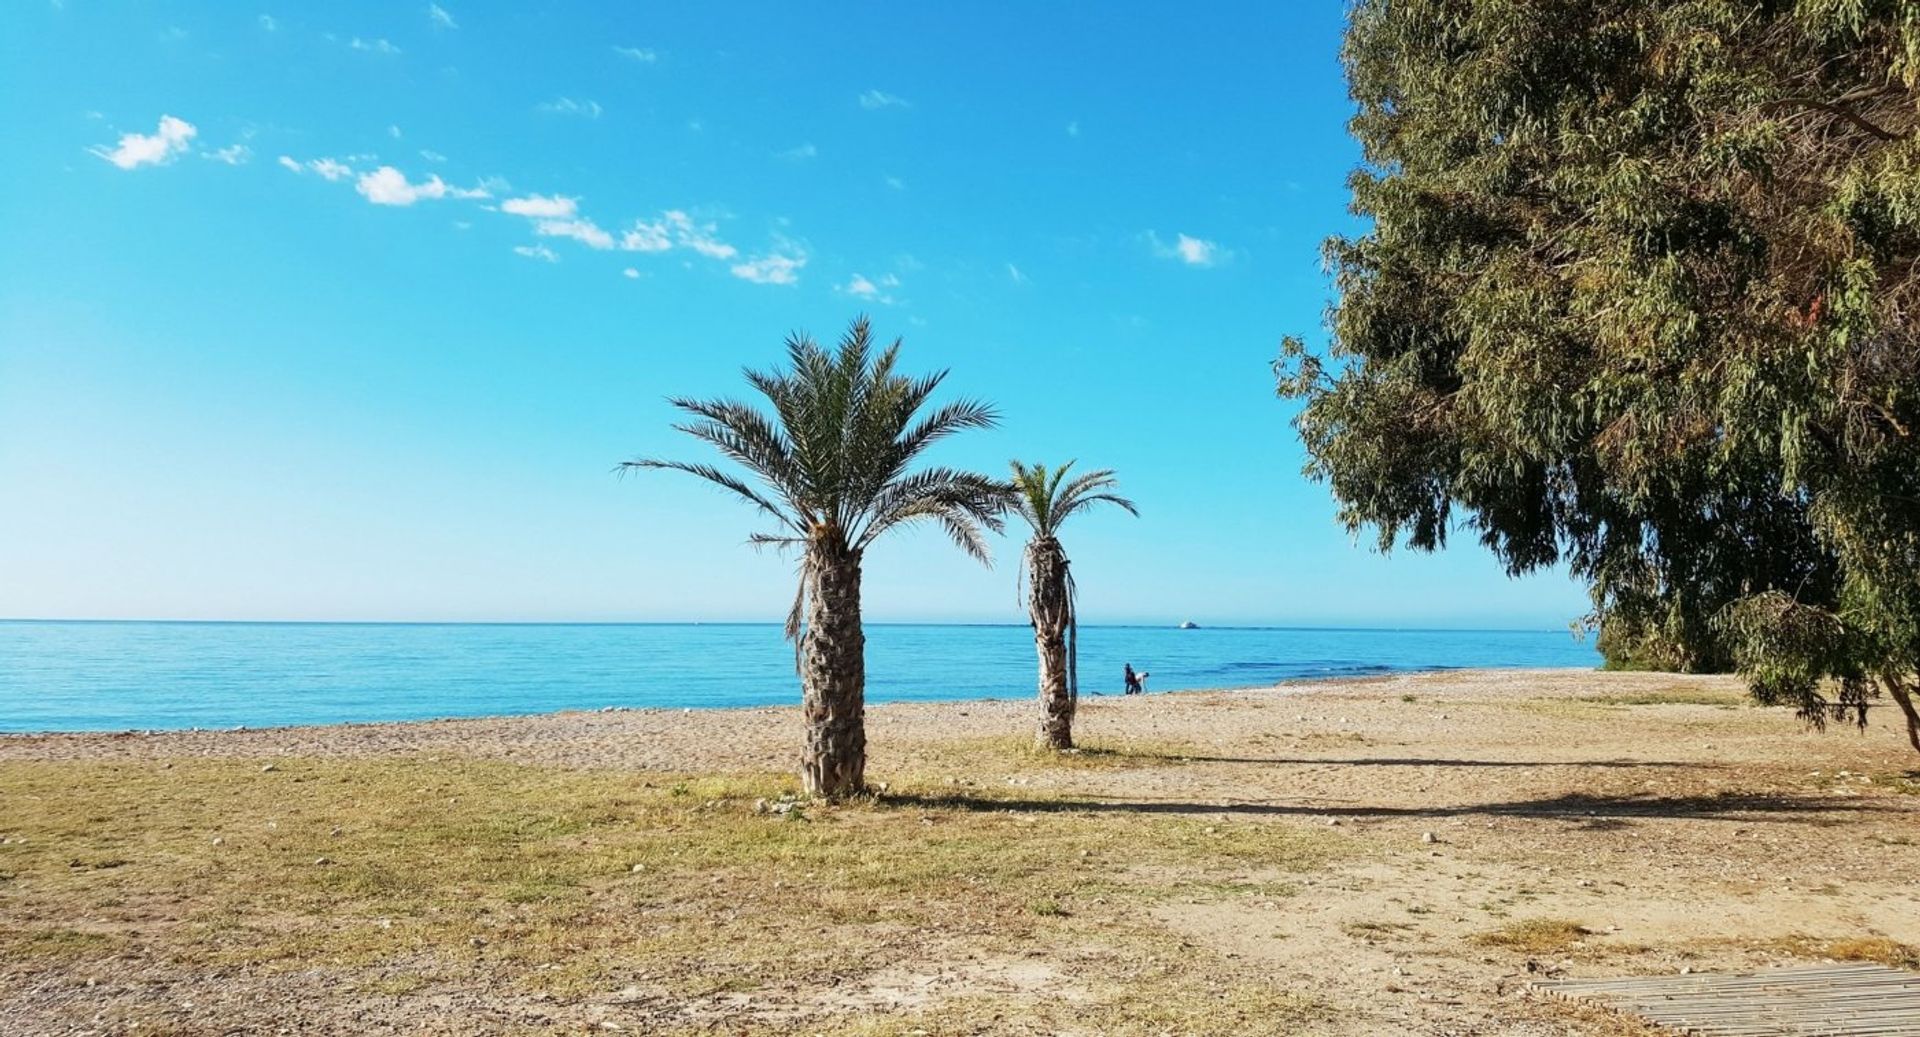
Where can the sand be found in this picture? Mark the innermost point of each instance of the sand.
(1678, 827)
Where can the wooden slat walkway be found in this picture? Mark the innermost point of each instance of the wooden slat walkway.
(1831, 1001)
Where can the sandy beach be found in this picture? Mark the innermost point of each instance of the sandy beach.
(1400, 854)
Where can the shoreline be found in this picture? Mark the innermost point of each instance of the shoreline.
(1382, 674)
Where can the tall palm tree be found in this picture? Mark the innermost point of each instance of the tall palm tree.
(833, 464)
(1047, 499)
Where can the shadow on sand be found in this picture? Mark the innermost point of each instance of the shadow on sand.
(1588, 808)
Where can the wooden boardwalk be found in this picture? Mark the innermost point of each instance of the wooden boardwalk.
(1831, 1001)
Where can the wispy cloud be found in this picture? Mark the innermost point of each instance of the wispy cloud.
(327, 168)
(540, 252)
(1013, 272)
(157, 148)
(775, 268)
(440, 18)
(896, 183)
(585, 232)
(1073, 128)
(700, 237)
(542, 206)
(644, 55)
(630, 274)
(801, 153)
(879, 291)
(375, 46)
(873, 100)
(389, 186)
(432, 156)
(269, 23)
(646, 237)
(1187, 249)
(569, 106)
(232, 154)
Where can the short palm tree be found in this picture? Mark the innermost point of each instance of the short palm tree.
(833, 465)
(1047, 499)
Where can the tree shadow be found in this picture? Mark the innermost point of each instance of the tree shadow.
(1389, 761)
(1594, 810)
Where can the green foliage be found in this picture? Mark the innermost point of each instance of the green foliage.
(1046, 499)
(834, 459)
(1638, 297)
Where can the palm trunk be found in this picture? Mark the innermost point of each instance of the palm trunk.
(1051, 608)
(833, 674)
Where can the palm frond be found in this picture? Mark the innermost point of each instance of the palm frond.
(718, 478)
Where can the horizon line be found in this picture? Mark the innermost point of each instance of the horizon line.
(775, 623)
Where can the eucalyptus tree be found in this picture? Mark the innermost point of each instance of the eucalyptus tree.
(835, 470)
(1637, 294)
(1046, 500)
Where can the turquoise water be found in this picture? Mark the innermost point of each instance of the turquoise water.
(118, 676)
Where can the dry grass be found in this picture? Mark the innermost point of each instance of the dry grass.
(1878, 949)
(1679, 695)
(568, 883)
(1535, 936)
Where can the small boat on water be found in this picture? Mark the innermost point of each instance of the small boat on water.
(1189, 625)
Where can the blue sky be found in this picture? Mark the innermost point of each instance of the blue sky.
(346, 311)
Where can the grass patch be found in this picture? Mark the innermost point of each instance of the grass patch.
(1877, 949)
(1535, 936)
(572, 883)
(1681, 695)
(988, 758)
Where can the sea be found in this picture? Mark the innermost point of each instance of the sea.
(117, 676)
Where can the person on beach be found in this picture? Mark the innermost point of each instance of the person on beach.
(1133, 681)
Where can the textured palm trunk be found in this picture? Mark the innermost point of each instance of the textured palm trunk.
(833, 674)
(1051, 607)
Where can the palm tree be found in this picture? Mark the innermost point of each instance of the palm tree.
(833, 466)
(1041, 498)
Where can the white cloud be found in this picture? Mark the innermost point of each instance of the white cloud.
(288, 162)
(378, 46)
(875, 99)
(801, 153)
(440, 18)
(394, 132)
(542, 206)
(584, 231)
(1018, 277)
(777, 268)
(630, 274)
(862, 288)
(269, 23)
(330, 170)
(432, 156)
(158, 148)
(700, 237)
(389, 186)
(646, 237)
(644, 55)
(540, 252)
(233, 154)
(569, 106)
(1188, 249)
